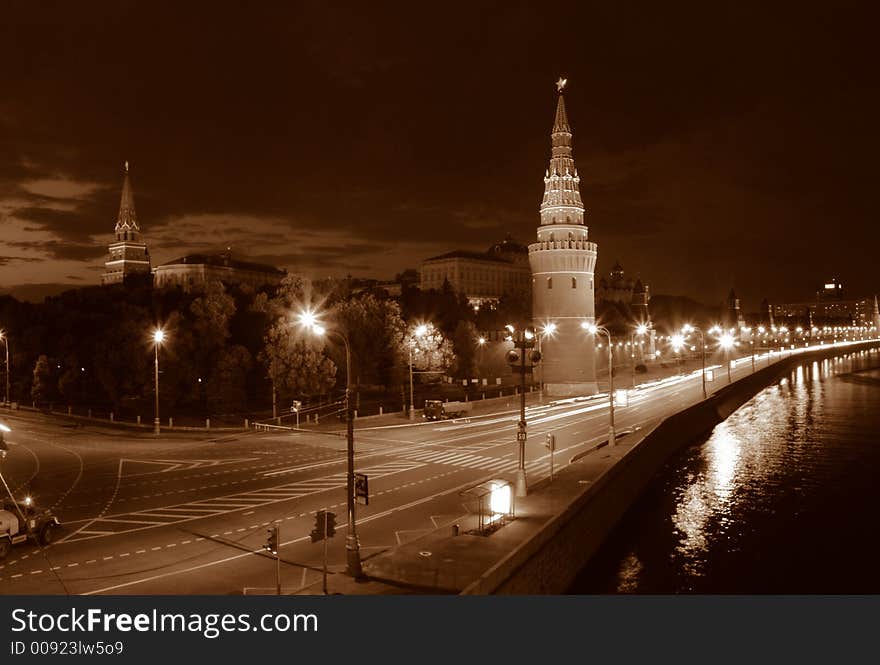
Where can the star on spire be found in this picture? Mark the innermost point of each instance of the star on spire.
(560, 84)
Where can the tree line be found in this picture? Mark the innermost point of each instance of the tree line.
(229, 348)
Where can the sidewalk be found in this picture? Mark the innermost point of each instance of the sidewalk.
(443, 563)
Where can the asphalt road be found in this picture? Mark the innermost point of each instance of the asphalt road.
(188, 514)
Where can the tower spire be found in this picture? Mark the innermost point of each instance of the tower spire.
(128, 253)
(126, 221)
(562, 198)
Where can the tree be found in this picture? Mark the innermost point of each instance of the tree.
(295, 359)
(226, 385)
(464, 342)
(376, 333)
(430, 351)
(41, 389)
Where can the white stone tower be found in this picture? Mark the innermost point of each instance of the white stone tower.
(563, 263)
(128, 255)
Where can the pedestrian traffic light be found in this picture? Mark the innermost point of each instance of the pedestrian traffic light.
(550, 443)
(272, 543)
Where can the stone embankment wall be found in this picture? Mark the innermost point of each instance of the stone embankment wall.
(550, 561)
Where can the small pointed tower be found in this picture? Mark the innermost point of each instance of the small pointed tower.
(563, 264)
(639, 304)
(767, 314)
(734, 318)
(128, 255)
(876, 318)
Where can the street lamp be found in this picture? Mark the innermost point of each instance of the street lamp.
(727, 342)
(420, 331)
(593, 329)
(158, 338)
(640, 330)
(5, 337)
(352, 548)
(687, 329)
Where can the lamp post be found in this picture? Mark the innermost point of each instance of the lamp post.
(352, 547)
(419, 332)
(158, 338)
(5, 337)
(726, 341)
(594, 329)
(640, 330)
(689, 328)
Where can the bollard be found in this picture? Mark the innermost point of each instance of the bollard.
(69, 409)
(245, 423)
(111, 416)
(139, 420)
(484, 395)
(355, 414)
(316, 418)
(90, 413)
(207, 423)
(380, 409)
(455, 530)
(278, 420)
(171, 422)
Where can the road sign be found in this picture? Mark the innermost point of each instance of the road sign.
(521, 435)
(296, 406)
(621, 397)
(362, 489)
(710, 375)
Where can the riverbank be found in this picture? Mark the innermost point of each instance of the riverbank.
(560, 525)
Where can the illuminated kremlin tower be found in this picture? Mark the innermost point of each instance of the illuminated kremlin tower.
(563, 262)
(128, 255)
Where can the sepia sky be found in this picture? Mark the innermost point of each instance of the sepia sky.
(719, 145)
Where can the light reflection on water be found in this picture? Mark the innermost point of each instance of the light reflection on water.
(779, 498)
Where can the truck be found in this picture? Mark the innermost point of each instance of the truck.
(20, 520)
(436, 409)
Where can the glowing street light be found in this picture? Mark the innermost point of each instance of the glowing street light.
(419, 332)
(352, 549)
(158, 338)
(688, 328)
(640, 330)
(593, 329)
(726, 341)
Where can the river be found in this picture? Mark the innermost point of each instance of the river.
(782, 497)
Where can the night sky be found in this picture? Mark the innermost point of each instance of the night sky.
(719, 145)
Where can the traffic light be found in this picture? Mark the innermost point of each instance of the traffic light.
(318, 532)
(272, 543)
(331, 524)
(535, 357)
(550, 443)
(513, 357)
(325, 523)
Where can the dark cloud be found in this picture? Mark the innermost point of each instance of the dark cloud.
(708, 137)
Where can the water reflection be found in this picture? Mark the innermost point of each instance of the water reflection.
(779, 498)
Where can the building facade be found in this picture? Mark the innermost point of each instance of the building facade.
(481, 276)
(128, 254)
(194, 271)
(563, 263)
(829, 312)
